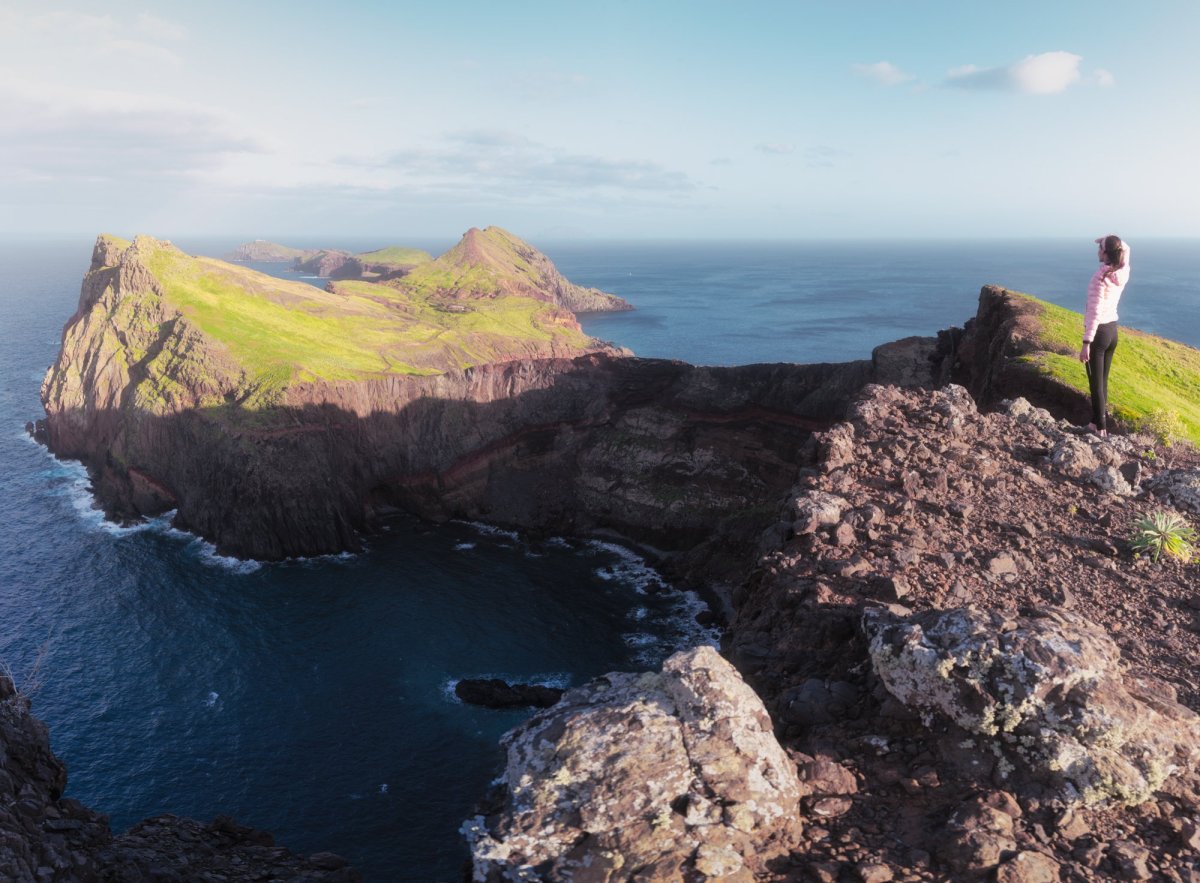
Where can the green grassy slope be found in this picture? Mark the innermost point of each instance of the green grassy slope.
(1149, 373)
(395, 256)
(280, 331)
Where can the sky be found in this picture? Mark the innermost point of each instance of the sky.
(601, 120)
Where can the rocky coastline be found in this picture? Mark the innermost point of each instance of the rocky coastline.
(942, 659)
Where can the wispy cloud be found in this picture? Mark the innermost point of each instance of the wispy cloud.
(56, 135)
(1045, 74)
(822, 156)
(499, 161)
(883, 72)
(776, 148)
(79, 34)
(1103, 78)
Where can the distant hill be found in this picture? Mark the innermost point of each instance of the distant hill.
(260, 250)
(493, 262)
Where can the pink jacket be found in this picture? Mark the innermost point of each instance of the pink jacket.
(1104, 293)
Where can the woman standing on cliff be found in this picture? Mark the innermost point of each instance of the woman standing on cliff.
(1100, 323)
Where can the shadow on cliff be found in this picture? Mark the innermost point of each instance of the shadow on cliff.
(663, 454)
(689, 463)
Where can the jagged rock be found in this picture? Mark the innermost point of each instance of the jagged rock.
(1180, 486)
(1028, 867)
(1111, 481)
(1023, 412)
(1129, 860)
(1049, 694)
(814, 509)
(826, 778)
(653, 770)
(496, 693)
(1074, 457)
(977, 836)
(836, 446)
(873, 872)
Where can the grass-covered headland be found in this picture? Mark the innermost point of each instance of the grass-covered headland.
(1154, 384)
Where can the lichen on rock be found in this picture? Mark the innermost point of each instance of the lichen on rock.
(677, 771)
(1048, 693)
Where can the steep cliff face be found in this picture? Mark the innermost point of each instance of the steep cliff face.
(991, 356)
(326, 263)
(313, 403)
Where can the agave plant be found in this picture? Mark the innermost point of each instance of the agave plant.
(1163, 533)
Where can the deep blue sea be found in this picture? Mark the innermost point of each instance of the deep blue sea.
(314, 698)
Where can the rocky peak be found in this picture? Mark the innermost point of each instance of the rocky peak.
(492, 262)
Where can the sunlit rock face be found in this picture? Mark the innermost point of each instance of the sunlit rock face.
(1046, 694)
(675, 774)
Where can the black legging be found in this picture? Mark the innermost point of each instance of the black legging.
(1104, 344)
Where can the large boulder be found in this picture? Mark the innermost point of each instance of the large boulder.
(672, 775)
(1045, 694)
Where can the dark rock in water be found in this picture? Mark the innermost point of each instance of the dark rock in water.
(495, 693)
(37, 431)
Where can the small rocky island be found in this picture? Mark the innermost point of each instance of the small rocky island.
(943, 659)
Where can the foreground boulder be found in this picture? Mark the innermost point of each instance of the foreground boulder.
(662, 776)
(1045, 693)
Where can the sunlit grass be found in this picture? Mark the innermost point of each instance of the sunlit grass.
(1149, 373)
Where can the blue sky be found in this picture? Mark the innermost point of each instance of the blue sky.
(601, 120)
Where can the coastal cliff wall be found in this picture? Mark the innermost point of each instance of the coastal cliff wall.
(661, 453)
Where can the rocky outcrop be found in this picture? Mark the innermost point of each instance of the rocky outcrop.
(1045, 693)
(328, 264)
(657, 777)
(262, 251)
(497, 693)
(990, 357)
(932, 539)
(45, 836)
(492, 261)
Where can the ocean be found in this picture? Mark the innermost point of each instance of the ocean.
(314, 698)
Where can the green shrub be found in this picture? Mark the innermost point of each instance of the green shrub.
(1164, 425)
(1163, 533)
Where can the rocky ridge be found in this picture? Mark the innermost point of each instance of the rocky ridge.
(972, 674)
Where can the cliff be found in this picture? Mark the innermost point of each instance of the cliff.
(970, 671)
(327, 263)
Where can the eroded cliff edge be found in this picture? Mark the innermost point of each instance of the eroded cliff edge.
(186, 384)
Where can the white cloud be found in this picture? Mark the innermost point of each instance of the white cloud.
(775, 147)
(1044, 74)
(1103, 78)
(883, 72)
(60, 135)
